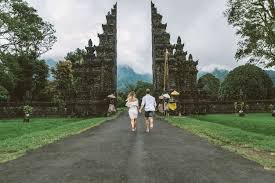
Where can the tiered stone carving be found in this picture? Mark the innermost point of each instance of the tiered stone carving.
(182, 72)
(97, 75)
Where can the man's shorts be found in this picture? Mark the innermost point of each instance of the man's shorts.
(149, 114)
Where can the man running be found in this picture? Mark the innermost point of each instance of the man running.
(149, 104)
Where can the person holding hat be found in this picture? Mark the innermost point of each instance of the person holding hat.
(149, 104)
(112, 108)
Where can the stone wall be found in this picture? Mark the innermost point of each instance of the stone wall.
(47, 109)
(216, 107)
(94, 108)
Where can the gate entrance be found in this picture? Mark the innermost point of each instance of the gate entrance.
(173, 69)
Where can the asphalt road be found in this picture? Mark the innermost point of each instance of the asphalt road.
(111, 153)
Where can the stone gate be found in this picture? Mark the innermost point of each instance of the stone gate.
(98, 72)
(181, 74)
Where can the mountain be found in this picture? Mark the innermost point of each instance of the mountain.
(218, 73)
(127, 76)
(222, 73)
(52, 64)
(271, 74)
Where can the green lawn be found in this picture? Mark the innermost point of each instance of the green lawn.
(17, 137)
(252, 136)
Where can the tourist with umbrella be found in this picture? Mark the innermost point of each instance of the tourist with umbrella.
(112, 108)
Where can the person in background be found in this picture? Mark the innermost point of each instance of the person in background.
(149, 105)
(112, 108)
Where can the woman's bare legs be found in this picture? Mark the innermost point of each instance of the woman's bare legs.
(133, 124)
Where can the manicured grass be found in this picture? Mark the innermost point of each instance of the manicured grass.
(17, 137)
(258, 123)
(253, 135)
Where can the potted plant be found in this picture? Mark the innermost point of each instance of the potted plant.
(27, 112)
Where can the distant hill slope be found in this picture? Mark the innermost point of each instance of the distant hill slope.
(271, 74)
(218, 73)
(222, 73)
(127, 76)
(52, 64)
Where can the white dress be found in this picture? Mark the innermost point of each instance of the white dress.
(133, 109)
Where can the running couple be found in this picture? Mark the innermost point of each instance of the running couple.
(149, 105)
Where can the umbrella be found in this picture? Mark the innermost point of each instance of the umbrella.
(161, 97)
(166, 95)
(175, 93)
(111, 96)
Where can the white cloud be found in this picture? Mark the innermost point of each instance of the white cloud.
(201, 25)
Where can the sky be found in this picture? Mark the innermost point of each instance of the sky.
(200, 23)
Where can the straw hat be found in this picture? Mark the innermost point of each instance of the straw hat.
(175, 93)
(166, 95)
(111, 96)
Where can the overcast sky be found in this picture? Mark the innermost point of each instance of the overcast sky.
(200, 23)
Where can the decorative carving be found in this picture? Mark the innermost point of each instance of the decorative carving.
(190, 58)
(90, 49)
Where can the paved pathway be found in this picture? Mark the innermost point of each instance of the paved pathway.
(111, 153)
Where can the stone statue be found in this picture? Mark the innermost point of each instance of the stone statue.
(90, 49)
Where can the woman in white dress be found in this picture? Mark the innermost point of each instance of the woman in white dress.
(132, 104)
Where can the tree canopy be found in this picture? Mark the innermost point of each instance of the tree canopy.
(254, 21)
(76, 56)
(248, 79)
(209, 84)
(63, 75)
(24, 36)
(22, 31)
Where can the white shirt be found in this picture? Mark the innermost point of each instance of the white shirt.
(149, 102)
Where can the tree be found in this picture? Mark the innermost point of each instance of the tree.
(210, 85)
(50, 93)
(63, 75)
(24, 36)
(8, 67)
(76, 56)
(4, 94)
(22, 31)
(248, 79)
(254, 21)
(40, 75)
(139, 88)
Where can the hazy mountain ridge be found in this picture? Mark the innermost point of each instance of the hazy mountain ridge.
(127, 75)
(222, 73)
(218, 73)
(52, 64)
(271, 74)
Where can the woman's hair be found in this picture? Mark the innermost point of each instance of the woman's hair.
(131, 96)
